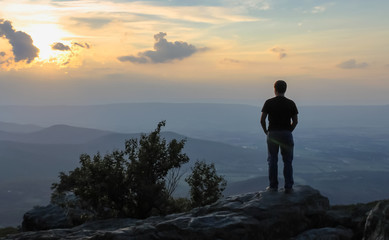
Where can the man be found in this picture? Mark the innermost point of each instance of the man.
(282, 115)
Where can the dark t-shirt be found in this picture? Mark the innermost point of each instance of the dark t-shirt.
(280, 111)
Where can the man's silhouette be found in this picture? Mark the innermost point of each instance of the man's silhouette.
(282, 115)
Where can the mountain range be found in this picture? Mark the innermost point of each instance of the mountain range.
(188, 118)
(342, 151)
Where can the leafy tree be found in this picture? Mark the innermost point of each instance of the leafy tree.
(151, 159)
(206, 186)
(129, 183)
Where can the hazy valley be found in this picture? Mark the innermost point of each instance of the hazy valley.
(342, 151)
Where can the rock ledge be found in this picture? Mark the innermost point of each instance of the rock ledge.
(303, 214)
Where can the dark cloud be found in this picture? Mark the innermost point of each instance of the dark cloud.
(139, 59)
(2, 54)
(164, 51)
(85, 45)
(60, 46)
(22, 45)
(280, 51)
(352, 64)
(94, 23)
(70, 51)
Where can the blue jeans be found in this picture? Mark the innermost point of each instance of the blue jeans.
(280, 140)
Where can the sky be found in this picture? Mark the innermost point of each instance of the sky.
(85, 52)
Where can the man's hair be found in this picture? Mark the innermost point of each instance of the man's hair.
(280, 86)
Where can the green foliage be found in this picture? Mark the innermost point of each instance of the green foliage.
(178, 205)
(206, 186)
(129, 183)
(8, 230)
(100, 182)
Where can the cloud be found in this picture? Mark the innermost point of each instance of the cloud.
(318, 9)
(139, 59)
(164, 51)
(279, 51)
(85, 45)
(71, 53)
(93, 23)
(2, 54)
(95, 16)
(352, 64)
(22, 44)
(321, 8)
(251, 4)
(60, 46)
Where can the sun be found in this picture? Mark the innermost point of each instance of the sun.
(41, 21)
(44, 36)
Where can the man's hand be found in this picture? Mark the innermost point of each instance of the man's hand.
(294, 122)
(263, 122)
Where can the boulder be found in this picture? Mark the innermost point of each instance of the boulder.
(377, 222)
(43, 218)
(65, 213)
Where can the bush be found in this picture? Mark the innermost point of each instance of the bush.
(178, 205)
(206, 186)
(129, 183)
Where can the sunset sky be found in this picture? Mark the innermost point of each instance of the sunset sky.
(82, 52)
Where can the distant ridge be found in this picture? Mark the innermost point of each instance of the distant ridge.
(18, 128)
(65, 134)
(56, 134)
(138, 117)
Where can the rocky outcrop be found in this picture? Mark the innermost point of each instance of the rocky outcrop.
(377, 222)
(43, 218)
(302, 215)
(56, 215)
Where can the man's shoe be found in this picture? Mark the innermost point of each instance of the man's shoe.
(271, 189)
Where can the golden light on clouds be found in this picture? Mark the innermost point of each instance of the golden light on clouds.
(44, 36)
(204, 42)
(50, 22)
(38, 20)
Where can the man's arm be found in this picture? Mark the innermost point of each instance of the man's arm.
(263, 122)
(294, 122)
